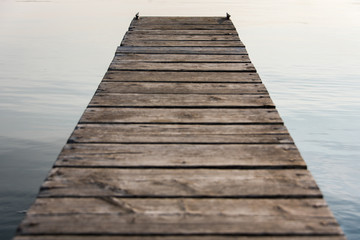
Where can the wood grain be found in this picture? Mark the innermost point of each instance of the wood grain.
(175, 225)
(212, 27)
(171, 37)
(181, 155)
(156, 66)
(86, 182)
(282, 208)
(143, 76)
(179, 216)
(159, 115)
(182, 88)
(164, 133)
(180, 58)
(184, 32)
(181, 20)
(190, 237)
(173, 100)
(163, 43)
(183, 50)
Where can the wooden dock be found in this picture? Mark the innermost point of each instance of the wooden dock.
(180, 141)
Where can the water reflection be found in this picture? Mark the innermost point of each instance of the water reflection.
(54, 53)
(24, 164)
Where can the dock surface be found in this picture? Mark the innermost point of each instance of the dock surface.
(180, 141)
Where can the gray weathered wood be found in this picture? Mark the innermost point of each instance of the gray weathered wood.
(196, 237)
(180, 155)
(153, 66)
(180, 58)
(81, 182)
(211, 100)
(162, 133)
(157, 43)
(212, 27)
(181, 20)
(281, 208)
(183, 50)
(183, 32)
(176, 224)
(179, 216)
(156, 115)
(182, 88)
(143, 76)
(171, 37)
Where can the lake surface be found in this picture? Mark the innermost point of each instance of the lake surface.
(53, 55)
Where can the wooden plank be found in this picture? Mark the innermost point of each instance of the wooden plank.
(177, 100)
(183, 32)
(181, 88)
(155, 66)
(180, 155)
(281, 208)
(212, 27)
(180, 58)
(217, 237)
(180, 216)
(159, 115)
(157, 43)
(142, 76)
(173, 224)
(183, 50)
(90, 182)
(162, 133)
(171, 37)
(181, 20)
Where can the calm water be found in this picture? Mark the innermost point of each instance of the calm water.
(53, 54)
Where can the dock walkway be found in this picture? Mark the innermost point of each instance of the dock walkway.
(180, 141)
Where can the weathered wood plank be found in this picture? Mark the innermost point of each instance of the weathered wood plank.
(183, 32)
(174, 224)
(157, 43)
(180, 58)
(281, 208)
(156, 115)
(165, 133)
(183, 50)
(177, 100)
(217, 237)
(181, 20)
(171, 37)
(180, 155)
(212, 27)
(143, 76)
(181, 88)
(180, 216)
(153, 66)
(81, 182)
